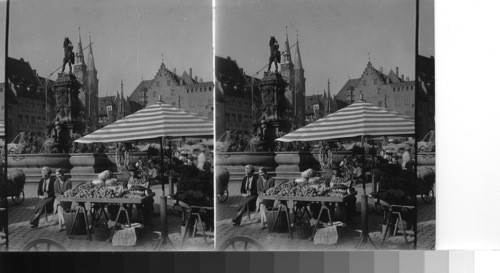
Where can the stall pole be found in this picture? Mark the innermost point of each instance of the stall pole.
(365, 236)
(163, 202)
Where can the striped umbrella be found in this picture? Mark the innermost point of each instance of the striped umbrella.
(2, 128)
(358, 119)
(155, 121)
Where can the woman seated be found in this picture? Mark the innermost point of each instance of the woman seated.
(263, 184)
(61, 185)
(248, 191)
(45, 194)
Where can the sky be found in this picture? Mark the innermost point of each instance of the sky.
(426, 28)
(3, 12)
(337, 38)
(129, 37)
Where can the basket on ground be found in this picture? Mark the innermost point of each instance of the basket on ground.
(74, 227)
(304, 231)
(280, 220)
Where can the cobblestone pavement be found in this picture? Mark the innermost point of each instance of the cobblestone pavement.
(21, 233)
(348, 237)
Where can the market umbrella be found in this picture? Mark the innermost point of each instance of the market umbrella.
(2, 128)
(157, 121)
(360, 119)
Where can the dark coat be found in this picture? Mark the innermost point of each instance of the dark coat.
(253, 187)
(50, 191)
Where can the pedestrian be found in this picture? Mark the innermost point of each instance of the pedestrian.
(249, 192)
(45, 196)
(61, 185)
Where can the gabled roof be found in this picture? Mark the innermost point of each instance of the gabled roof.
(187, 79)
(19, 71)
(393, 77)
(143, 85)
(227, 70)
(351, 83)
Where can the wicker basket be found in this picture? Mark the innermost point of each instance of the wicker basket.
(79, 224)
(102, 234)
(280, 220)
(304, 232)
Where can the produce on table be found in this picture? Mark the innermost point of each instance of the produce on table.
(90, 190)
(319, 187)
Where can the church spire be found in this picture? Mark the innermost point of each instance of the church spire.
(79, 54)
(286, 54)
(298, 59)
(329, 98)
(90, 60)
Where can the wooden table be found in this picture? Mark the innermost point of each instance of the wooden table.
(80, 208)
(321, 199)
(188, 208)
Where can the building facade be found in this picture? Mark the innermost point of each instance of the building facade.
(26, 100)
(391, 91)
(113, 108)
(236, 110)
(319, 106)
(184, 91)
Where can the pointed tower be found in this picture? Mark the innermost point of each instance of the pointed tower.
(80, 71)
(300, 88)
(122, 103)
(329, 106)
(93, 89)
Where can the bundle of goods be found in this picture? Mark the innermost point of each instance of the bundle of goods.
(91, 190)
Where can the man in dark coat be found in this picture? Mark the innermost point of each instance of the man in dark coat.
(275, 54)
(249, 192)
(45, 194)
(69, 56)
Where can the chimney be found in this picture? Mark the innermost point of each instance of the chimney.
(201, 79)
(196, 78)
(190, 72)
(407, 79)
(402, 77)
(397, 71)
(241, 71)
(381, 70)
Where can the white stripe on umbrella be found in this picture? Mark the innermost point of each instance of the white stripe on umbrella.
(358, 119)
(154, 121)
(2, 128)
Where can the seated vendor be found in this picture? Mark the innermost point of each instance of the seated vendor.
(248, 191)
(45, 194)
(136, 182)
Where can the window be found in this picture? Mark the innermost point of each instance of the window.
(210, 101)
(227, 116)
(209, 88)
(379, 90)
(398, 102)
(406, 88)
(109, 108)
(407, 101)
(32, 119)
(380, 103)
(191, 103)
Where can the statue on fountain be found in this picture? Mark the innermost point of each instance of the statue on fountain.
(69, 55)
(275, 54)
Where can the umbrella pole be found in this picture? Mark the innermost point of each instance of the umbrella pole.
(365, 236)
(374, 185)
(163, 202)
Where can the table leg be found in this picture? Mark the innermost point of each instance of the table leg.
(328, 212)
(317, 222)
(86, 222)
(288, 221)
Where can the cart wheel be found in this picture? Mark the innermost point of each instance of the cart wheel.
(222, 197)
(241, 244)
(427, 198)
(19, 198)
(43, 245)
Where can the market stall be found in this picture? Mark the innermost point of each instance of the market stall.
(158, 121)
(359, 120)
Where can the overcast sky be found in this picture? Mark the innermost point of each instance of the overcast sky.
(3, 12)
(129, 37)
(426, 30)
(335, 36)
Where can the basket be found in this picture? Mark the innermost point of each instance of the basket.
(304, 232)
(280, 220)
(102, 233)
(79, 224)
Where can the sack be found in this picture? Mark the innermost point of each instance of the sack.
(326, 236)
(125, 237)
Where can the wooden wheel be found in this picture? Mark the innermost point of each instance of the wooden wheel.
(43, 245)
(222, 197)
(19, 198)
(241, 244)
(427, 198)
